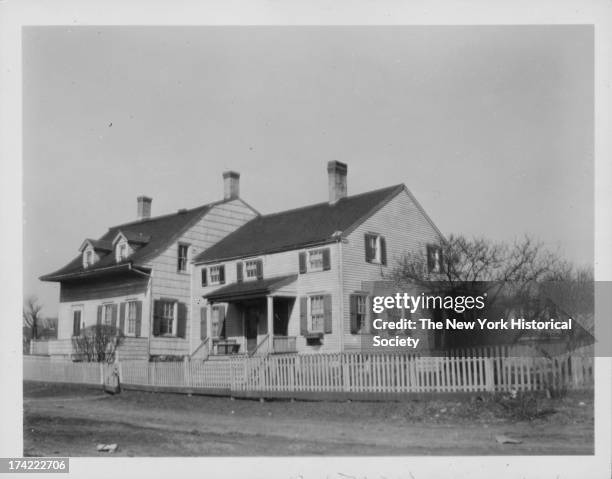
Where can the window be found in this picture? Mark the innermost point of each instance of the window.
(217, 275)
(434, 259)
(87, 258)
(167, 311)
(131, 317)
(375, 249)
(251, 269)
(218, 322)
(315, 260)
(107, 314)
(358, 312)
(183, 250)
(317, 314)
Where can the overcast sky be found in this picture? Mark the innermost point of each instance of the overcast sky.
(491, 128)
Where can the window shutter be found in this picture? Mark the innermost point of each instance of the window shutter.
(239, 265)
(221, 321)
(353, 312)
(442, 265)
(114, 316)
(327, 313)
(157, 312)
(203, 276)
(369, 253)
(222, 274)
(260, 269)
(383, 251)
(181, 323)
(203, 312)
(99, 320)
(138, 327)
(76, 323)
(303, 315)
(122, 317)
(302, 257)
(326, 259)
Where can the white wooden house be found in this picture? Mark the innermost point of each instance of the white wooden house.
(137, 276)
(297, 281)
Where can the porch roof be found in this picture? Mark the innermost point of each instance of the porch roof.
(250, 289)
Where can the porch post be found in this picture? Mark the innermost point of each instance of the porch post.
(270, 313)
(209, 326)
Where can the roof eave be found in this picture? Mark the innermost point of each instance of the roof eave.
(95, 272)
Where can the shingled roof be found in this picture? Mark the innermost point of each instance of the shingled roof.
(310, 225)
(159, 232)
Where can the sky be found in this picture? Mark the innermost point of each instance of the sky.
(491, 128)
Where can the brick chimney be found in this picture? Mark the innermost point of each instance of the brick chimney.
(144, 207)
(231, 185)
(336, 174)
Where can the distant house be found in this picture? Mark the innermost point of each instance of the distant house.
(299, 280)
(137, 276)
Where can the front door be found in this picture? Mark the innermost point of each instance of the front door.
(250, 326)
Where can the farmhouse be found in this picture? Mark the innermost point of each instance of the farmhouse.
(137, 276)
(299, 281)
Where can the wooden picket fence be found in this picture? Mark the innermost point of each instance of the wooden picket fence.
(331, 375)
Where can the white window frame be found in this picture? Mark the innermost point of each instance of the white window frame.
(88, 257)
(364, 323)
(215, 333)
(377, 250)
(122, 251)
(130, 304)
(317, 263)
(317, 315)
(250, 269)
(217, 270)
(163, 318)
(185, 261)
(437, 259)
(107, 314)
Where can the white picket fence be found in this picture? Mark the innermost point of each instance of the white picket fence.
(342, 373)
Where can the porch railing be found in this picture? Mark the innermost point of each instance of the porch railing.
(284, 344)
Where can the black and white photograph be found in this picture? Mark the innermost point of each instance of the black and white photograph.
(357, 249)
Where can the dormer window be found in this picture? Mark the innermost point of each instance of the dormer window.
(87, 258)
(122, 251)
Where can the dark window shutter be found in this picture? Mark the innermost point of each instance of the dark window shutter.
(157, 312)
(203, 276)
(203, 323)
(181, 326)
(303, 315)
(353, 312)
(222, 274)
(302, 257)
(327, 313)
(76, 323)
(239, 273)
(114, 316)
(442, 265)
(138, 329)
(122, 317)
(259, 269)
(99, 320)
(369, 253)
(383, 251)
(326, 259)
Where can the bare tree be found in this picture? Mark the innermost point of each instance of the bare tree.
(98, 343)
(32, 316)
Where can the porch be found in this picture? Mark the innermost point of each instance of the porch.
(253, 318)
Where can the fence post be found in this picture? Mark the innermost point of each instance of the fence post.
(489, 378)
(102, 374)
(346, 380)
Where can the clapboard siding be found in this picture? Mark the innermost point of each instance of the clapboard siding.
(132, 349)
(405, 228)
(98, 289)
(220, 220)
(281, 264)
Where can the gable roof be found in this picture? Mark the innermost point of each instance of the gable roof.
(159, 232)
(307, 226)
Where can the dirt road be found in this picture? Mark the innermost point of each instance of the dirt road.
(68, 420)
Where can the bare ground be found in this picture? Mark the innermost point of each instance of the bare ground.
(62, 420)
